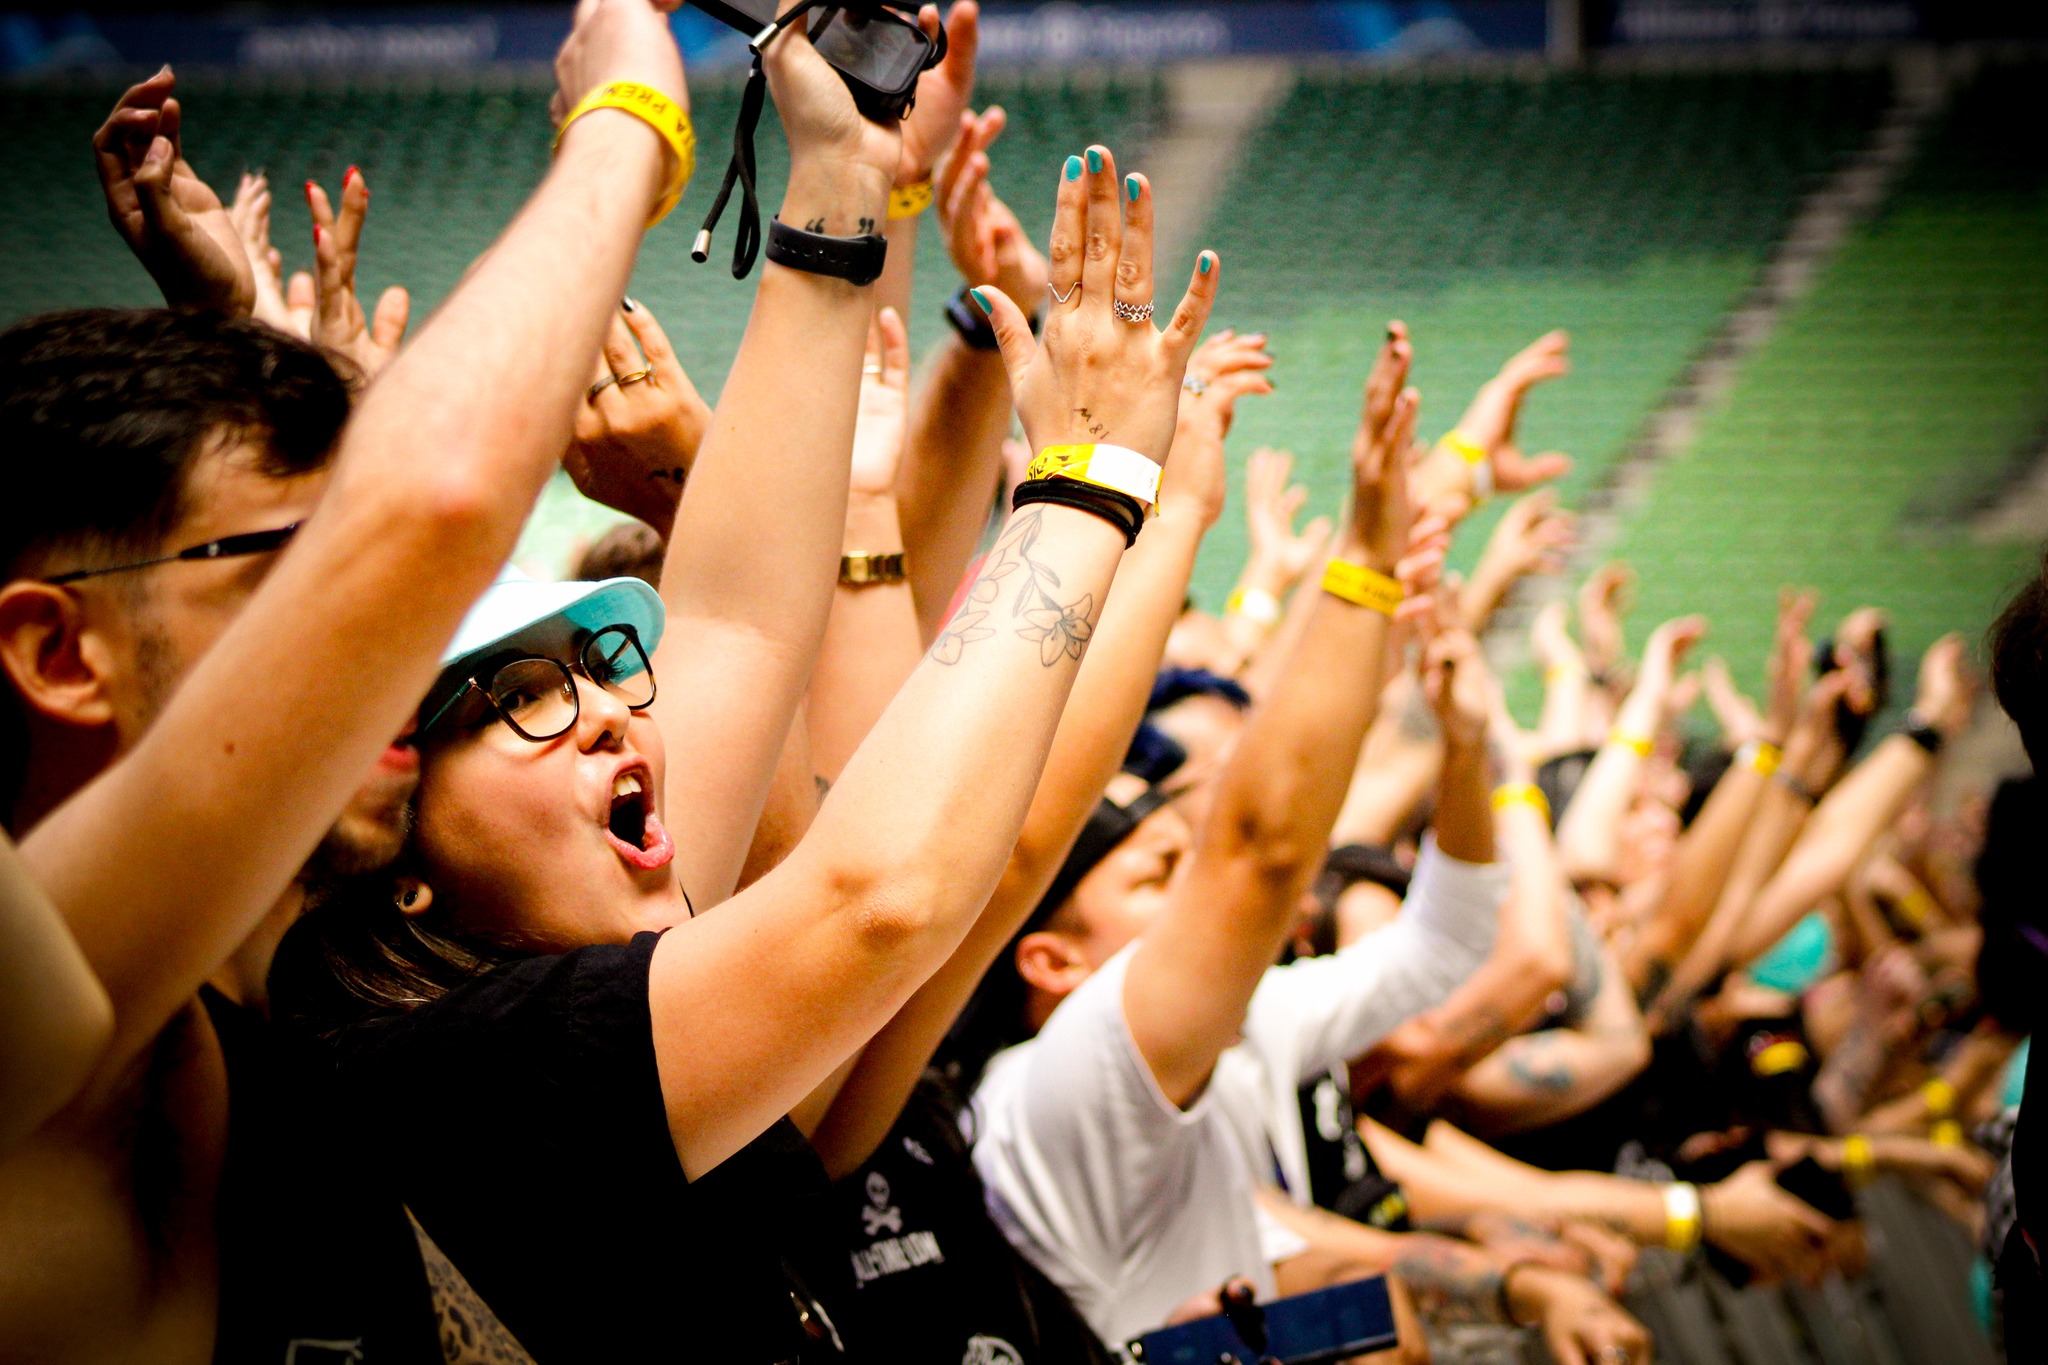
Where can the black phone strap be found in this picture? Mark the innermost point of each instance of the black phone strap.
(739, 170)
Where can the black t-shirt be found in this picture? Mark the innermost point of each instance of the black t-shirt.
(317, 1260)
(521, 1116)
(1342, 1176)
(934, 1281)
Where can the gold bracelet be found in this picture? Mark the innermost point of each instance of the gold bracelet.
(1113, 467)
(1859, 1163)
(660, 113)
(907, 201)
(861, 569)
(1363, 587)
(1522, 794)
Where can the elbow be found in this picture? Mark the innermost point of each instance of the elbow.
(67, 1053)
(894, 911)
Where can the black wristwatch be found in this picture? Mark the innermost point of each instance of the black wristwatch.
(857, 260)
(1921, 731)
(973, 325)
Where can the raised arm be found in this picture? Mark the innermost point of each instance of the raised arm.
(1479, 456)
(911, 842)
(753, 559)
(1530, 538)
(1192, 976)
(1277, 557)
(1589, 829)
(1094, 733)
(220, 803)
(54, 1017)
(1707, 850)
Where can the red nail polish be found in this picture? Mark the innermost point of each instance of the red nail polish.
(349, 175)
(309, 192)
(319, 234)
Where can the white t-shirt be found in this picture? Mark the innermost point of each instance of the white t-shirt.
(1133, 1205)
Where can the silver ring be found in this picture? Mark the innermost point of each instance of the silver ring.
(1194, 384)
(871, 369)
(1058, 297)
(1131, 312)
(600, 386)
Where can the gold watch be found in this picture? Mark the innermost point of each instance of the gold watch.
(860, 569)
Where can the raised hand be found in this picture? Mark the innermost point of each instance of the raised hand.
(250, 214)
(1270, 507)
(1736, 714)
(1603, 598)
(1791, 658)
(639, 426)
(170, 218)
(839, 159)
(935, 122)
(987, 243)
(1381, 516)
(1096, 376)
(1948, 690)
(619, 40)
(884, 419)
(1532, 536)
(1490, 421)
(1205, 420)
(338, 321)
(1223, 351)
(1458, 686)
(1662, 656)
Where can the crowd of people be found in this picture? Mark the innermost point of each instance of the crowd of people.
(868, 911)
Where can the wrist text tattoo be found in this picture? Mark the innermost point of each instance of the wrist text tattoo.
(1060, 629)
(815, 225)
(676, 475)
(1099, 430)
(1450, 1283)
(867, 227)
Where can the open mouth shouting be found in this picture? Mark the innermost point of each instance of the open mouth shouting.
(633, 828)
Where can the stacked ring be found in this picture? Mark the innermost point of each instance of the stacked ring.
(1132, 312)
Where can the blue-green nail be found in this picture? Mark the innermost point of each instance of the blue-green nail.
(1094, 159)
(1205, 262)
(981, 299)
(1073, 168)
(1132, 187)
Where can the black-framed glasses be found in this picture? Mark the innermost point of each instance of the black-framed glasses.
(537, 696)
(227, 547)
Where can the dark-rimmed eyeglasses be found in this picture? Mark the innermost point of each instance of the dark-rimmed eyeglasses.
(537, 696)
(227, 547)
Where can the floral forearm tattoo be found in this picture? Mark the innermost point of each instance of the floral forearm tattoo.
(1060, 629)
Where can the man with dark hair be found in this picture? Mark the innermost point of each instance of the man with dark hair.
(2019, 677)
(208, 638)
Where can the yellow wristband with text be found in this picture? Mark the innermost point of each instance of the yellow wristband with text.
(1682, 1222)
(1859, 1163)
(1522, 794)
(1940, 1098)
(1760, 755)
(661, 113)
(1475, 458)
(1112, 467)
(1363, 587)
(1640, 745)
(907, 201)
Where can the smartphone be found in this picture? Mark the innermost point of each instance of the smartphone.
(1807, 1179)
(877, 52)
(1317, 1328)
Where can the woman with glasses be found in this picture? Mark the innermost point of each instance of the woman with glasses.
(578, 1082)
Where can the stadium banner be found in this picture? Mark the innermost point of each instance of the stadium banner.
(1665, 22)
(1054, 34)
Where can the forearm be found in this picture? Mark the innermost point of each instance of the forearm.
(1845, 824)
(436, 473)
(950, 472)
(55, 1018)
(1094, 731)
(1543, 1078)
(871, 643)
(1705, 857)
(752, 565)
(1781, 813)
(1483, 593)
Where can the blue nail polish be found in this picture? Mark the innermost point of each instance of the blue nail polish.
(981, 299)
(1132, 187)
(1205, 262)
(1073, 168)
(1094, 159)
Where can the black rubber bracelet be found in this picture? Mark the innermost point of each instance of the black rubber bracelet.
(1917, 728)
(1120, 510)
(857, 260)
(973, 325)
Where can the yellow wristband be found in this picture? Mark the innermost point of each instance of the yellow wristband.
(1474, 456)
(1940, 1098)
(1113, 467)
(1363, 587)
(1682, 1222)
(1760, 755)
(1947, 1133)
(1859, 1163)
(907, 201)
(661, 113)
(1254, 604)
(1641, 745)
(1522, 794)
